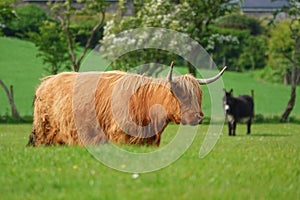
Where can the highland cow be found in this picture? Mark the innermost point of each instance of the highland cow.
(92, 108)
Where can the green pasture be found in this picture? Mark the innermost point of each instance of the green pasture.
(20, 67)
(264, 165)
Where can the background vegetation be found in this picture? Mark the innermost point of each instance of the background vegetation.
(29, 18)
(20, 67)
(233, 39)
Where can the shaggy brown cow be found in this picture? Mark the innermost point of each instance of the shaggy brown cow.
(122, 107)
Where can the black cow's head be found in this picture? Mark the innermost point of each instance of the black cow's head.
(228, 100)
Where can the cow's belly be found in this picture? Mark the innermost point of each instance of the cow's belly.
(244, 119)
(230, 119)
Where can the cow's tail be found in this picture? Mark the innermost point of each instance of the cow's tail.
(33, 101)
(31, 141)
(252, 96)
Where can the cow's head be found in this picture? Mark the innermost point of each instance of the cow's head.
(186, 90)
(228, 100)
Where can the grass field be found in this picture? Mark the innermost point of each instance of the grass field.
(20, 67)
(264, 165)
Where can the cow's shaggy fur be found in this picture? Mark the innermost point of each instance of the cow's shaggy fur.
(122, 108)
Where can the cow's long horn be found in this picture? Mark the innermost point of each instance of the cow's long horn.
(170, 72)
(212, 79)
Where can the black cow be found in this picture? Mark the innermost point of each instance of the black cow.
(237, 109)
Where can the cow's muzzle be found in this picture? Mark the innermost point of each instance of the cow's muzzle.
(192, 119)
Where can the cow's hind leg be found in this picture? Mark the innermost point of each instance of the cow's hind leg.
(229, 128)
(249, 127)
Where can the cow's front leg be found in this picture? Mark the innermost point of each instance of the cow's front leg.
(249, 127)
(233, 127)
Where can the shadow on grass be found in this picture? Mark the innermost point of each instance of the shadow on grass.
(263, 135)
(270, 135)
(261, 119)
(12, 120)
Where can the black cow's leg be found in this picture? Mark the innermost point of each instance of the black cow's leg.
(249, 127)
(234, 127)
(229, 128)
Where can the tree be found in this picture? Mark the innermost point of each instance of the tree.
(186, 16)
(196, 16)
(219, 43)
(291, 53)
(253, 53)
(7, 14)
(249, 53)
(65, 11)
(10, 97)
(29, 18)
(144, 17)
(53, 47)
(280, 43)
(241, 22)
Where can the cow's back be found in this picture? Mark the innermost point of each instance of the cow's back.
(244, 106)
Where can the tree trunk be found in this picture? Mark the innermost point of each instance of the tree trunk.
(11, 89)
(192, 69)
(9, 95)
(143, 69)
(289, 106)
(294, 78)
(54, 70)
(154, 67)
(158, 71)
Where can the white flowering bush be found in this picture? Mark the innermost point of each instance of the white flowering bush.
(220, 39)
(187, 17)
(155, 13)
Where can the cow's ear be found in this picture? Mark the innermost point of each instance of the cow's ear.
(170, 74)
(231, 92)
